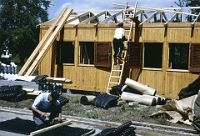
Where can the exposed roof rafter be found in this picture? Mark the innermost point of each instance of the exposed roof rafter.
(96, 17)
(113, 17)
(89, 14)
(144, 15)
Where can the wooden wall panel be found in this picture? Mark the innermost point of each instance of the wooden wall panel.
(196, 34)
(45, 65)
(153, 79)
(179, 35)
(152, 34)
(102, 76)
(85, 78)
(69, 33)
(43, 68)
(175, 81)
(105, 34)
(69, 72)
(86, 32)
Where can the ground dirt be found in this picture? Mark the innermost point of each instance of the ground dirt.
(120, 113)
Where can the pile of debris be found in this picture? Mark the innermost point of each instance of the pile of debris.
(131, 91)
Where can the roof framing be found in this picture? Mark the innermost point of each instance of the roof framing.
(144, 15)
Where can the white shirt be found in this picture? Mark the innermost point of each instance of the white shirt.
(119, 33)
(42, 102)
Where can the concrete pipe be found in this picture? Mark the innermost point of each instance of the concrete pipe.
(144, 89)
(150, 101)
(87, 99)
(158, 99)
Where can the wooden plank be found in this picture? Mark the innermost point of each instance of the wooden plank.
(28, 89)
(48, 44)
(50, 128)
(34, 53)
(34, 93)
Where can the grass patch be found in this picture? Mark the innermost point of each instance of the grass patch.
(120, 113)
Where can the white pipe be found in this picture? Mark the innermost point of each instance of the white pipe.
(150, 101)
(144, 89)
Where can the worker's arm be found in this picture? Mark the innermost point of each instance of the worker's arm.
(38, 111)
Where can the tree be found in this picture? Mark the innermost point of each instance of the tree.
(190, 3)
(193, 3)
(18, 23)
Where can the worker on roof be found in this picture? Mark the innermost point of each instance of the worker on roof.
(119, 38)
(46, 102)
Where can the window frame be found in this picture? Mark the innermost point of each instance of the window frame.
(101, 50)
(161, 55)
(60, 54)
(170, 65)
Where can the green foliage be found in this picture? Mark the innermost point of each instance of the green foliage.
(190, 3)
(18, 23)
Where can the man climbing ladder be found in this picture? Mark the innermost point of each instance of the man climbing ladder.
(119, 38)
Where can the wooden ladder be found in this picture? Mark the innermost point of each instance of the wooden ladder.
(38, 54)
(116, 73)
(117, 70)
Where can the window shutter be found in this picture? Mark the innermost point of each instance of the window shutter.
(102, 54)
(195, 58)
(134, 55)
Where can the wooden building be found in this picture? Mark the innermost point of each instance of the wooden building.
(163, 50)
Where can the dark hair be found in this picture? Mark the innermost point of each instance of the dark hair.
(120, 25)
(54, 95)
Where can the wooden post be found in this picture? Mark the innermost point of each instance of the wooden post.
(48, 44)
(49, 128)
(41, 43)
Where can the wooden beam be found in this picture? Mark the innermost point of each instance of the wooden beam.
(94, 17)
(171, 18)
(46, 36)
(48, 44)
(112, 17)
(35, 92)
(148, 19)
(164, 15)
(79, 17)
(50, 128)
(195, 19)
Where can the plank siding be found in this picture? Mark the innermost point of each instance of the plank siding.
(90, 78)
(179, 35)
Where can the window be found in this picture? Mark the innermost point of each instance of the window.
(65, 52)
(86, 53)
(153, 55)
(95, 53)
(178, 56)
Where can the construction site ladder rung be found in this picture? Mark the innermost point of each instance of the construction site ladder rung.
(117, 70)
(114, 83)
(115, 76)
